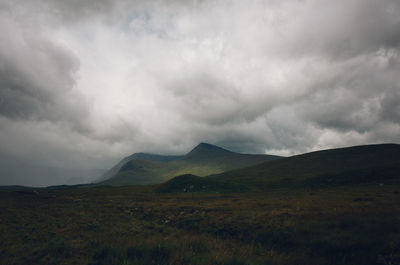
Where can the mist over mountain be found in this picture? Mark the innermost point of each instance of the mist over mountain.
(14, 172)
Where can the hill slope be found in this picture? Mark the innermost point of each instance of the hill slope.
(137, 156)
(358, 164)
(203, 160)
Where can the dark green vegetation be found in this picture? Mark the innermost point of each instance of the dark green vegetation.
(377, 164)
(134, 225)
(331, 207)
(192, 183)
(203, 160)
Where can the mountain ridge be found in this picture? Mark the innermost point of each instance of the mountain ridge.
(330, 162)
(204, 159)
(377, 164)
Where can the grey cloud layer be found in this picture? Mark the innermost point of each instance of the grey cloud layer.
(83, 83)
(37, 77)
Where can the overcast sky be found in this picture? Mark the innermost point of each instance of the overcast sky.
(84, 83)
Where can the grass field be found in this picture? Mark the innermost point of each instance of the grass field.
(136, 225)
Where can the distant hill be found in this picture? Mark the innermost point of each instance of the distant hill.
(203, 160)
(378, 164)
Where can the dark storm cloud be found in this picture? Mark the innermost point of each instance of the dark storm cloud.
(37, 77)
(357, 97)
(84, 83)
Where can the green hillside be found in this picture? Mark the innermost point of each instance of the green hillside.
(352, 165)
(192, 183)
(137, 156)
(203, 160)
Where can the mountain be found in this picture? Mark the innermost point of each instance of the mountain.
(137, 156)
(359, 164)
(205, 151)
(203, 160)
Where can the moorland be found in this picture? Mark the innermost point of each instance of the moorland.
(338, 206)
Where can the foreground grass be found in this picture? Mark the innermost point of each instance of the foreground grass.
(135, 225)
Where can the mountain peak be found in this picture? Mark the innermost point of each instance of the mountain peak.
(206, 145)
(205, 149)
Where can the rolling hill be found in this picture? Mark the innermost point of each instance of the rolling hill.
(351, 164)
(203, 160)
(378, 164)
